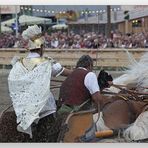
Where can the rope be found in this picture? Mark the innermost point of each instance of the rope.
(79, 107)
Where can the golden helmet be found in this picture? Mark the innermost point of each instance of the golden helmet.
(35, 44)
(33, 35)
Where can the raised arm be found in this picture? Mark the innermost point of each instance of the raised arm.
(58, 69)
(66, 72)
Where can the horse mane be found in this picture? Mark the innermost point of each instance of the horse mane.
(136, 73)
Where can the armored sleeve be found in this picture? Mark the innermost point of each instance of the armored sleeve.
(57, 69)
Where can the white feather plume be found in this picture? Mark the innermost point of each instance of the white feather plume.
(31, 31)
(137, 73)
(130, 57)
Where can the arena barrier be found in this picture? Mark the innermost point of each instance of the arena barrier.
(109, 57)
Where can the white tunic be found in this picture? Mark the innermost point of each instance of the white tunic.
(30, 91)
(90, 81)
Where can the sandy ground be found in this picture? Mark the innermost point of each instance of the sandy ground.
(5, 99)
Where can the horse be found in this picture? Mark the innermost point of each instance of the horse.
(121, 112)
(117, 112)
(130, 112)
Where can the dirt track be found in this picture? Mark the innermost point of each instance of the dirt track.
(4, 94)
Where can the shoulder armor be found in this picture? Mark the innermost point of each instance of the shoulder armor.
(50, 59)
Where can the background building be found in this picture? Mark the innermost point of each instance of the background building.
(126, 19)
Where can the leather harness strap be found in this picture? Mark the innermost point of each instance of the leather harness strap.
(132, 114)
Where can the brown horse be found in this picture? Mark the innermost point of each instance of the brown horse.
(117, 113)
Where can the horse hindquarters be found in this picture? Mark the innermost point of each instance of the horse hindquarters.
(117, 114)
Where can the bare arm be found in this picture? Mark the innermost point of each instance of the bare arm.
(66, 72)
(57, 70)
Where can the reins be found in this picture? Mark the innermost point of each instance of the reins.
(127, 94)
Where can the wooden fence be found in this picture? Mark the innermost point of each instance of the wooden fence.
(109, 57)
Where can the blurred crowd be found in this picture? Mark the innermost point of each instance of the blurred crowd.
(8, 40)
(90, 40)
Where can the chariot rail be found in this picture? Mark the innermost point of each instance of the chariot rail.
(109, 57)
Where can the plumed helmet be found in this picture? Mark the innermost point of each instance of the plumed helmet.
(33, 34)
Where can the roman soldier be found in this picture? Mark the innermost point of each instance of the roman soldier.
(29, 82)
